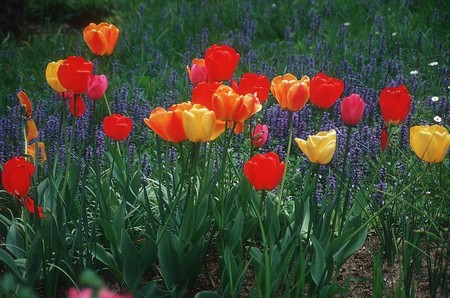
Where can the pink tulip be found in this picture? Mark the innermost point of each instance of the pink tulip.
(97, 86)
(259, 135)
(352, 109)
(84, 293)
(197, 72)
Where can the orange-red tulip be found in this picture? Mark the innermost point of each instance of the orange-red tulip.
(16, 176)
(102, 38)
(25, 102)
(117, 126)
(394, 104)
(220, 62)
(264, 171)
(254, 84)
(203, 92)
(291, 94)
(325, 91)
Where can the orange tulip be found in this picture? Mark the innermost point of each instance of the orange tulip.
(25, 102)
(169, 124)
(291, 94)
(230, 106)
(102, 38)
(31, 150)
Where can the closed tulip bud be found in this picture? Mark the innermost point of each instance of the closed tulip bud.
(291, 94)
(352, 109)
(429, 143)
(254, 84)
(394, 104)
(51, 74)
(320, 147)
(25, 102)
(169, 124)
(259, 135)
(198, 123)
(29, 204)
(97, 86)
(197, 72)
(16, 176)
(264, 171)
(117, 126)
(384, 138)
(220, 62)
(325, 91)
(102, 38)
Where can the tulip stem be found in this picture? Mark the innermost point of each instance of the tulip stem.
(107, 104)
(280, 197)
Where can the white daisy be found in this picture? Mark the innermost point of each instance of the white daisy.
(437, 119)
(434, 99)
(346, 24)
(414, 72)
(394, 33)
(434, 63)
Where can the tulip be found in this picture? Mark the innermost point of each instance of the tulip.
(352, 109)
(102, 38)
(384, 138)
(51, 74)
(97, 86)
(84, 293)
(32, 131)
(291, 94)
(29, 204)
(74, 74)
(429, 143)
(220, 62)
(16, 176)
(25, 102)
(203, 92)
(230, 106)
(198, 123)
(76, 105)
(259, 135)
(264, 171)
(394, 104)
(320, 147)
(117, 126)
(169, 124)
(254, 84)
(31, 150)
(325, 90)
(197, 73)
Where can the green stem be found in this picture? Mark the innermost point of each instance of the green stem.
(280, 197)
(62, 128)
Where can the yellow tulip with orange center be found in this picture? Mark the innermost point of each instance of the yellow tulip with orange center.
(291, 94)
(198, 123)
(430, 143)
(230, 106)
(51, 75)
(319, 148)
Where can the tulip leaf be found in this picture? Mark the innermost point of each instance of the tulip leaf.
(318, 266)
(207, 294)
(108, 230)
(9, 262)
(14, 241)
(106, 258)
(131, 261)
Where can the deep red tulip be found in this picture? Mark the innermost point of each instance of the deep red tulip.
(253, 83)
(16, 176)
(74, 74)
(259, 135)
(394, 104)
(384, 139)
(264, 171)
(352, 109)
(325, 91)
(220, 62)
(97, 86)
(203, 93)
(76, 105)
(117, 126)
(29, 204)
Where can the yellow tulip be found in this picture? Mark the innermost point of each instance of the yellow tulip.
(52, 77)
(430, 143)
(320, 147)
(199, 123)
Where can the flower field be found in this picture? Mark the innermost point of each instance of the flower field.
(226, 149)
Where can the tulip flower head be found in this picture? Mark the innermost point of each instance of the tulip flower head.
(29, 204)
(76, 105)
(220, 62)
(352, 109)
(169, 124)
(197, 72)
(384, 138)
(291, 94)
(74, 74)
(198, 123)
(325, 91)
(429, 143)
(259, 135)
(102, 38)
(254, 84)
(203, 92)
(264, 171)
(51, 74)
(97, 86)
(394, 104)
(16, 176)
(320, 147)
(117, 126)
(25, 102)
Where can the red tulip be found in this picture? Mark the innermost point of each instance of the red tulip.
(352, 109)
(264, 171)
(97, 86)
(16, 176)
(384, 139)
(203, 93)
(394, 104)
(253, 83)
(29, 204)
(325, 91)
(117, 126)
(74, 74)
(220, 62)
(259, 135)
(76, 105)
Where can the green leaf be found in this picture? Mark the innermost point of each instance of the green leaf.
(150, 289)
(131, 261)
(33, 264)
(106, 258)
(168, 258)
(236, 231)
(207, 294)
(318, 266)
(9, 262)
(108, 230)
(14, 241)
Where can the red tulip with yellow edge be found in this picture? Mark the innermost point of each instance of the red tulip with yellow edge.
(291, 94)
(102, 38)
